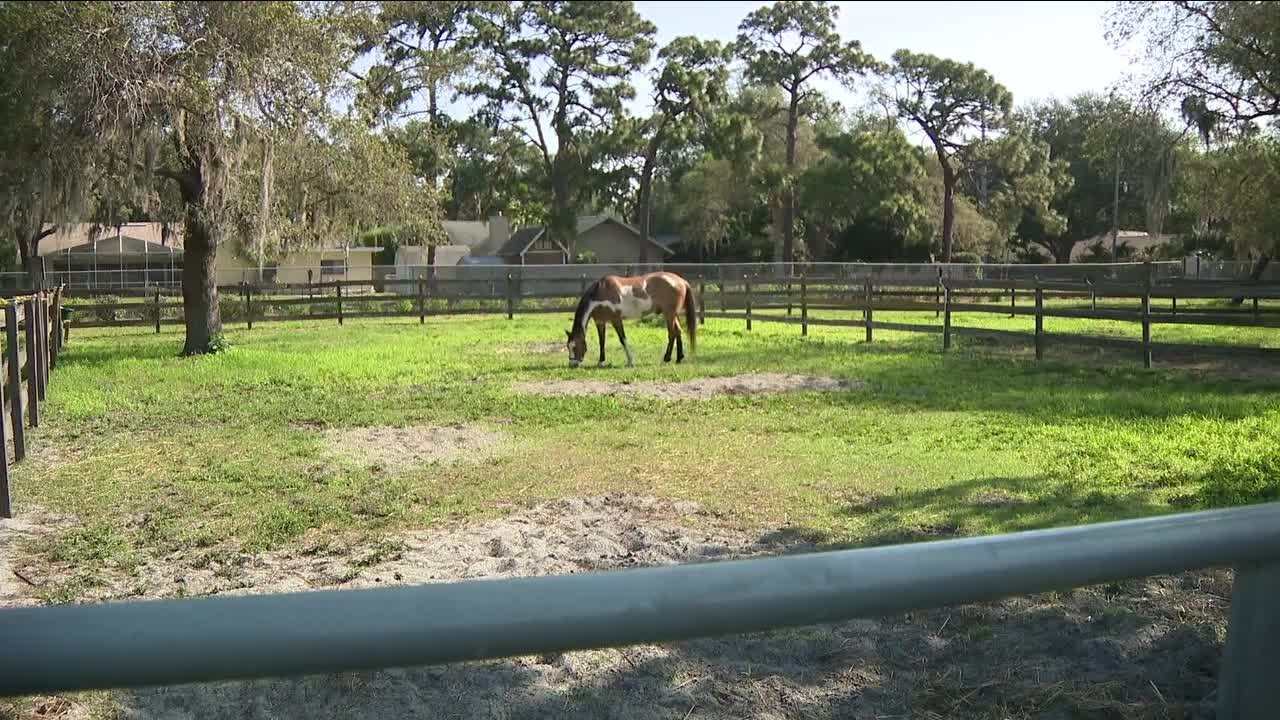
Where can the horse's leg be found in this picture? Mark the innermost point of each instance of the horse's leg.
(679, 342)
(672, 334)
(622, 338)
(600, 329)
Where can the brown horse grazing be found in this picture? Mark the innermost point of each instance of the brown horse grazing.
(613, 298)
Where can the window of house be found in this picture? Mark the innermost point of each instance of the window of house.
(333, 267)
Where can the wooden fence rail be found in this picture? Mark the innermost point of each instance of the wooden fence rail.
(29, 357)
(752, 298)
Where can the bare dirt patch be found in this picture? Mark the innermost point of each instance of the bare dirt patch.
(19, 582)
(1143, 649)
(399, 448)
(532, 348)
(700, 389)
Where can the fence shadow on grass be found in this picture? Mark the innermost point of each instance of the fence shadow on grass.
(961, 382)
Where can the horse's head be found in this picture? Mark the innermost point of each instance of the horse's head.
(576, 344)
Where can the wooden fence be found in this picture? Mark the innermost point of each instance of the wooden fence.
(793, 301)
(755, 299)
(33, 340)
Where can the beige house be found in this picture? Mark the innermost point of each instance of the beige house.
(600, 238)
(467, 238)
(321, 265)
(150, 253)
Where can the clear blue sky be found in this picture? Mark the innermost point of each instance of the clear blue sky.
(1036, 49)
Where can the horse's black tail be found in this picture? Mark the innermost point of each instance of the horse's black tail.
(691, 315)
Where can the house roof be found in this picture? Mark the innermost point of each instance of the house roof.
(121, 245)
(587, 222)
(522, 239)
(668, 241)
(140, 238)
(1137, 240)
(472, 233)
(480, 260)
(81, 236)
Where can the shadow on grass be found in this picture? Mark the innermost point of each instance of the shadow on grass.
(901, 377)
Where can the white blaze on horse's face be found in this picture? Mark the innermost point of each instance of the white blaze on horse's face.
(577, 347)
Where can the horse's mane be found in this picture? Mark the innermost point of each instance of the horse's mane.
(580, 314)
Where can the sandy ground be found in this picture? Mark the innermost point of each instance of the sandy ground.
(702, 388)
(1144, 649)
(397, 448)
(534, 348)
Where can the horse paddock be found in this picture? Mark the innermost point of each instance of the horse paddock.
(392, 453)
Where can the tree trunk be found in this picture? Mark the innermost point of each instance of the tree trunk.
(29, 252)
(35, 272)
(199, 286)
(1061, 249)
(26, 253)
(788, 192)
(645, 200)
(948, 210)
(562, 222)
(1255, 275)
(264, 200)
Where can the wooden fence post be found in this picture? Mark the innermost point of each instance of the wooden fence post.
(1174, 307)
(1039, 320)
(1093, 295)
(6, 506)
(702, 302)
(422, 300)
(338, 285)
(937, 292)
(33, 365)
(1013, 300)
(747, 284)
(43, 343)
(1146, 329)
(157, 309)
(54, 331)
(1245, 688)
(804, 307)
(15, 380)
(511, 297)
(1150, 279)
(946, 317)
(724, 307)
(58, 315)
(310, 292)
(866, 309)
(787, 292)
(1257, 314)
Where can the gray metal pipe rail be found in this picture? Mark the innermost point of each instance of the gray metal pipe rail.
(111, 645)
